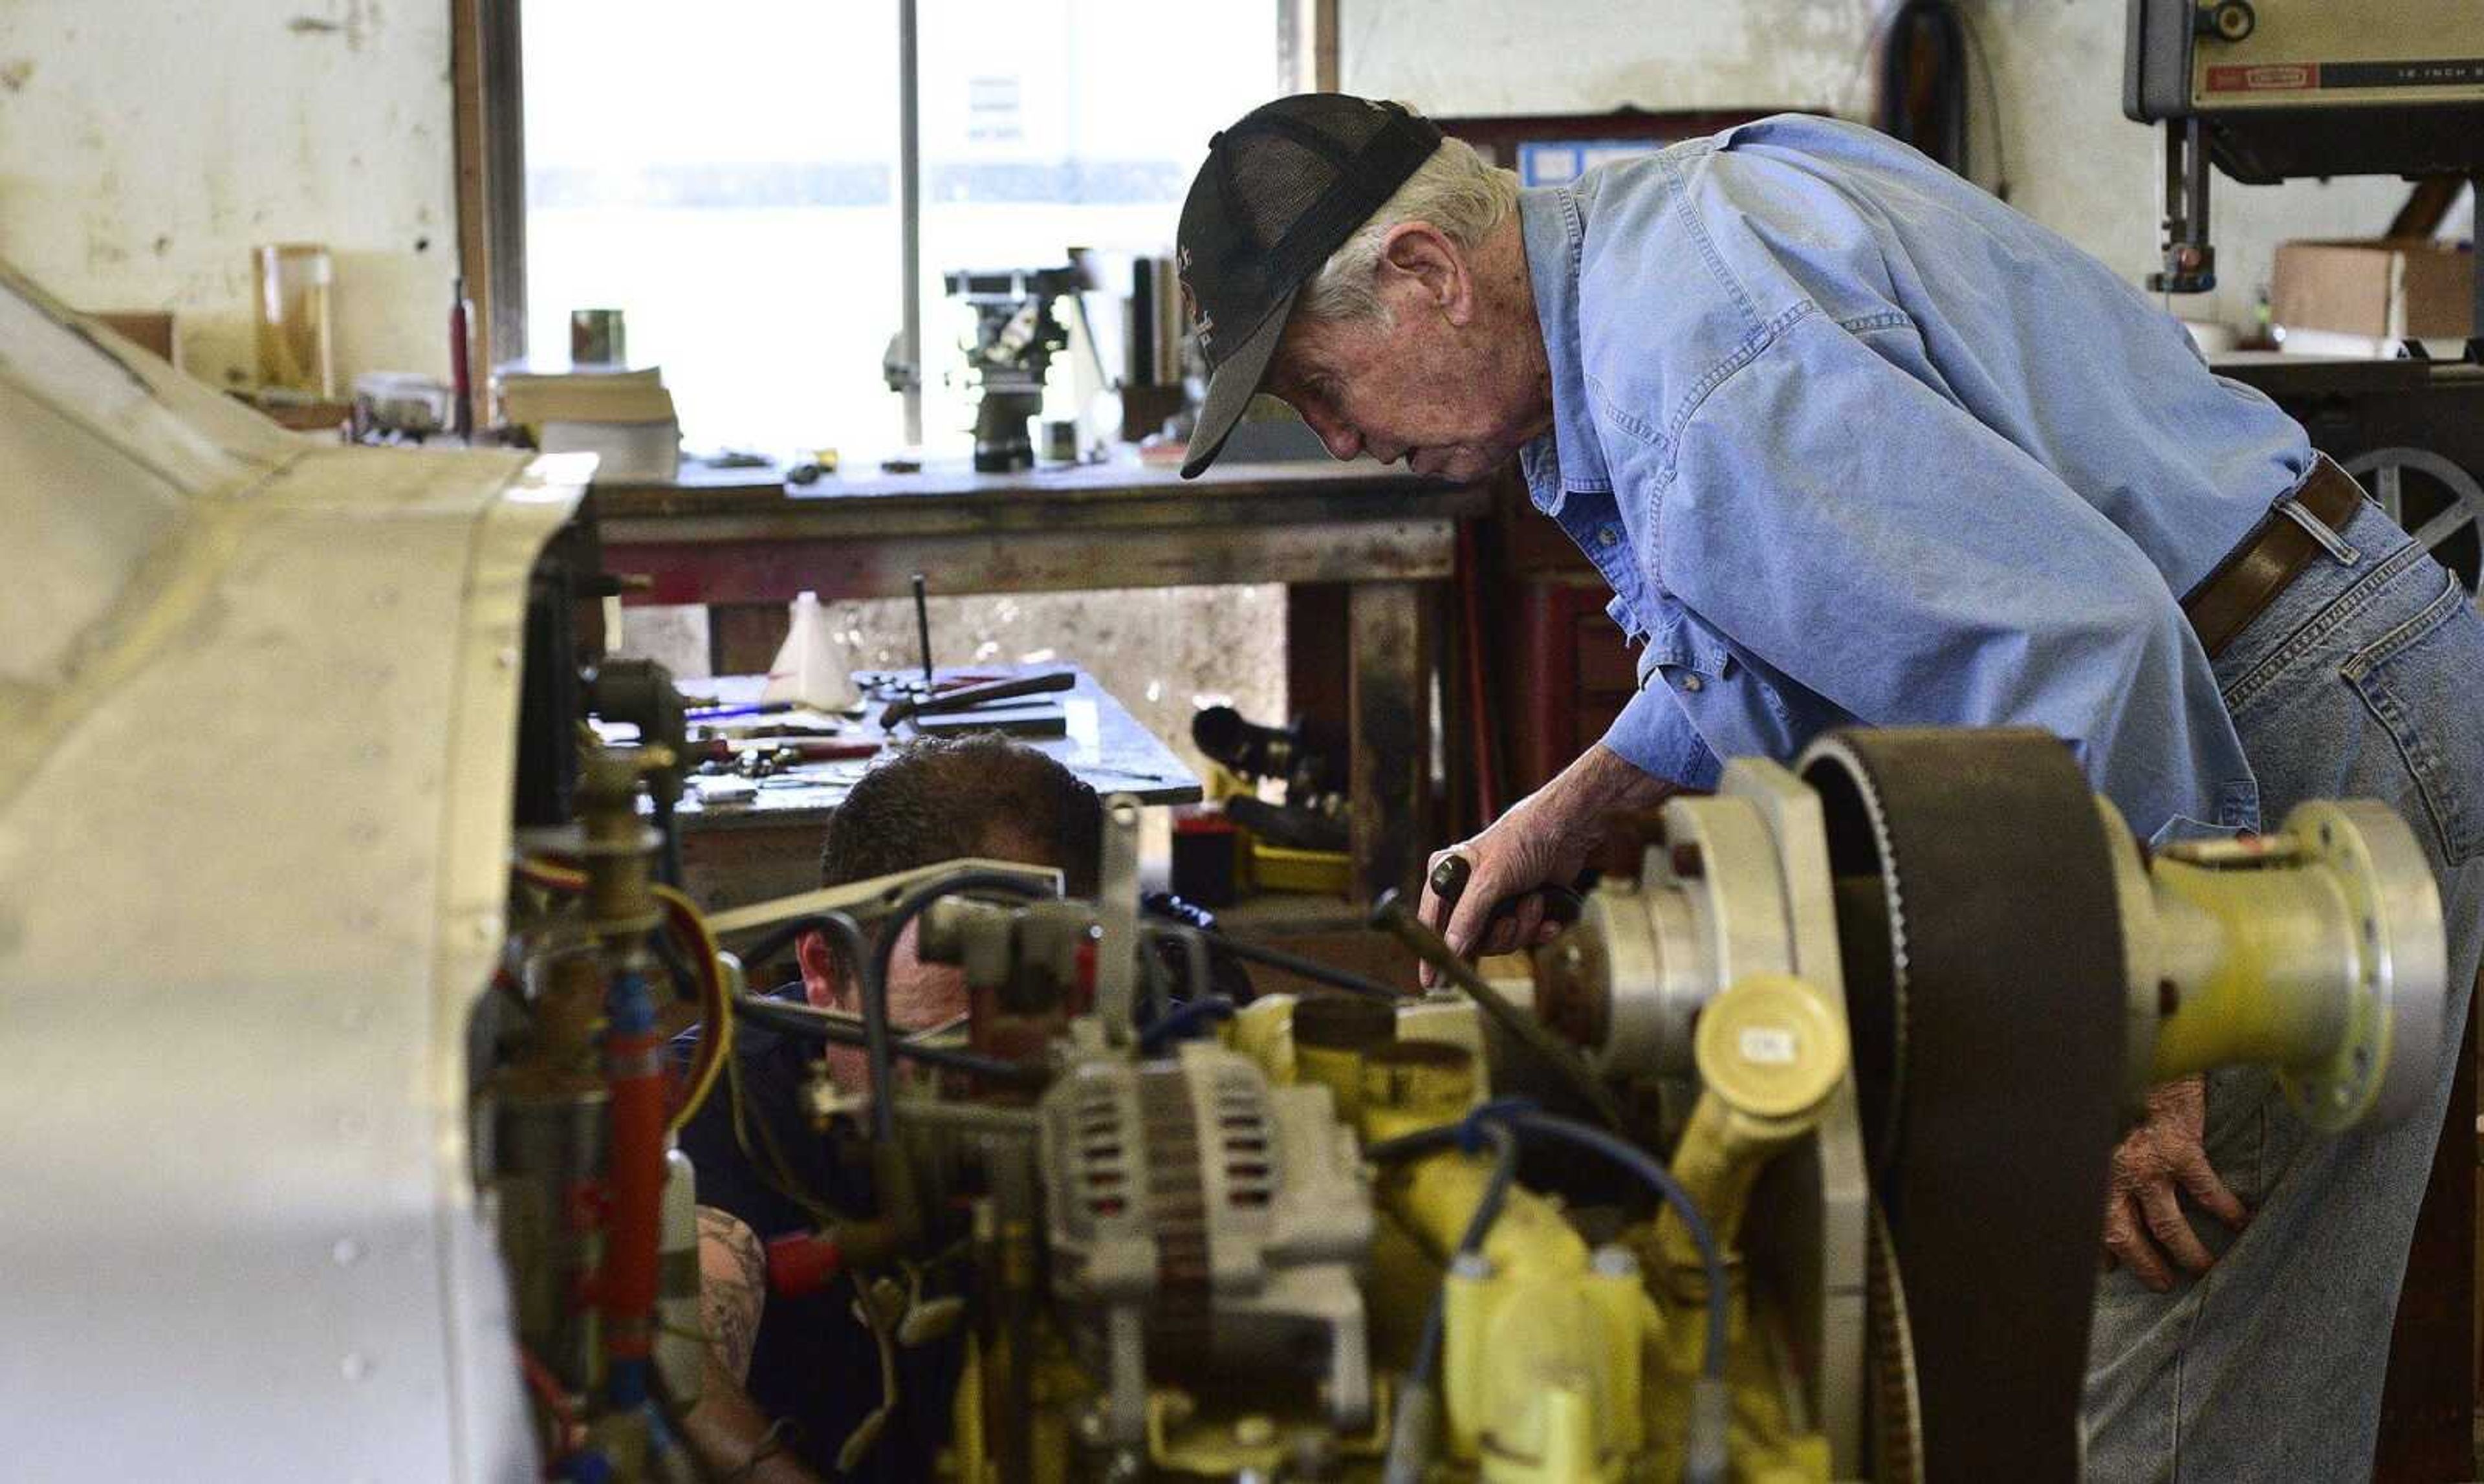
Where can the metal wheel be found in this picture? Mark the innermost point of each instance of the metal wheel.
(2440, 504)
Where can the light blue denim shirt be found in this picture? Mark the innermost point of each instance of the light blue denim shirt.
(1854, 441)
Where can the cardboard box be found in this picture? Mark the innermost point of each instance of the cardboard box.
(2376, 292)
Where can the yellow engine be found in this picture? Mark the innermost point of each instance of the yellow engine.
(1328, 1243)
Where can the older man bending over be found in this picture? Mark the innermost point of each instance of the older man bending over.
(1854, 443)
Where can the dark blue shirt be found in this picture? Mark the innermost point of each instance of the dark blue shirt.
(813, 1361)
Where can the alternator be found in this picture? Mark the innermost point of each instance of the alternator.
(1199, 1218)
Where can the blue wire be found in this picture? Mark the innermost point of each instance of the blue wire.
(1472, 1134)
(1525, 1117)
(1183, 1018)
(1638, 1162)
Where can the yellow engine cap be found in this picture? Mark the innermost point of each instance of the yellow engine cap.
(1769, 1047)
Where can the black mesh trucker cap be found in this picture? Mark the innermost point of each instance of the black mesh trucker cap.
(1281, 191)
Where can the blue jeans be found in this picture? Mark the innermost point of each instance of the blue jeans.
(2361, 681)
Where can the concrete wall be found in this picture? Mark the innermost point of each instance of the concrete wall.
(2077, 165)
(146, 145)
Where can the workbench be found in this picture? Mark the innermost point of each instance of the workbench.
(744, 536)
(768, 845)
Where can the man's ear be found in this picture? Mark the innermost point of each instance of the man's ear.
(822, 983)
(1417, 259)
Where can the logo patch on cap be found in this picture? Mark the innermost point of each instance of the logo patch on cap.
(1205, 324)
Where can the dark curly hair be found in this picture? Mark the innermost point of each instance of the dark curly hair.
(978, 795)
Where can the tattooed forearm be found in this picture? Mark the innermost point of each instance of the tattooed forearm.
(733, 1287)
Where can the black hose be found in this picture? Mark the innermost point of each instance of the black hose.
(854, 950)
(852, 944)
(1184, 1016)
(790, 1019)
(763, 951)
(1200, 972)
(1527, 1120)
(668, 838)
(874, 984)
(1317, 973)
(1159, 991)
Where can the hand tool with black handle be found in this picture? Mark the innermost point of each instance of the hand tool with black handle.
(910, 706)
(1450, 878)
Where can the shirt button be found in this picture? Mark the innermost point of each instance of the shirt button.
(1692, 683)
(1606, 535)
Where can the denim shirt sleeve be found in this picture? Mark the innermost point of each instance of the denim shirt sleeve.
(1653, 736)
(1858, 531)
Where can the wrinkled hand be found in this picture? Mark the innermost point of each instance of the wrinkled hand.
(2143, 1222)
(1521, 851)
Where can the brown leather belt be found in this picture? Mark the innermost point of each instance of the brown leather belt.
(2277, 550)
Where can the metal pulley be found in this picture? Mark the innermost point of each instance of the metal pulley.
(2013, 973)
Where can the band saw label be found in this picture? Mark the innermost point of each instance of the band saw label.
(2334, 76)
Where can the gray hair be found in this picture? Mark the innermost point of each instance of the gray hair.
(1454, 190)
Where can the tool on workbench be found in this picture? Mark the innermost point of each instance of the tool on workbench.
(785, 751)
(1304, 756)
(1264, 862)
(810, 666)
(795, 728)
(1311, 766)
(908, 708)
(822, 463)
(704, 713)
(1020, 718)
(923, 628)
(1015, 336)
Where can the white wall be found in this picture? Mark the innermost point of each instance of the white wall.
(146, 145)
(2076, 164)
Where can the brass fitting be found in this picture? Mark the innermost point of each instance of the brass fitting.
(617, 850)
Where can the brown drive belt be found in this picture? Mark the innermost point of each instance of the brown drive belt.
(1983, 970)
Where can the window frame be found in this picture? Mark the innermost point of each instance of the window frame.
(487, 71)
